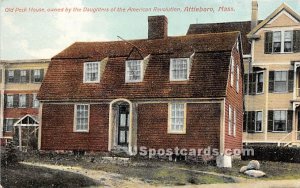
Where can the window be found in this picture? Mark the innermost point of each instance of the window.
(82, 117)
(22, 100)
(280, 124)
(231, 71)
(259, 82)
(23, 76)
(281, 41)
(8, 127)
(237, 78)
(277, 41)
(280, 83)
(230, 120)
(133, 71)
(35, 102)
(288, 35)
(258, 121)
(10, 101)
(11, 75)
(177, 118)
(179, 69)
(91, 72)
(37, 75)
(234, 122)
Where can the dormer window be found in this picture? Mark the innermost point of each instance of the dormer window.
(179, 69)
(134, 71)
(91, 72)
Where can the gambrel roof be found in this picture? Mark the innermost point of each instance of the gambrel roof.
(208, 76)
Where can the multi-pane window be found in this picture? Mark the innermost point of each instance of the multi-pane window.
(8, 127)
(258, 121)
(177, 121)
(9, 101)
(22, 100)
(281, 81)
(234, 122)
(81, 117)
(277, 41)
(11, 75)
(35, 101)
(133, 71)
(23, 76)
(179, 69)
(280, 121)
(91, 72)
(288, 38)
(237, 85)
(230, 121)
(37, 75)
(231, 71)
(259, 82)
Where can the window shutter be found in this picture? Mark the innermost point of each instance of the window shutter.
(0, 75)
(296, 41)
(5, 100)
(291, 81)
(42, 75)
(16, 101)
(245, 84)
(252, 83)
(17, 75)
(4, 124)
(268, 42)
(245, 122)
(27, 101)
(251, 122)
(289, 120)
(270, 120)
(32, 76)
(6, 76)
(271, 81)
(27, 76)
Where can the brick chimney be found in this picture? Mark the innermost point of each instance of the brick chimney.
(254, 14)
(157, 27)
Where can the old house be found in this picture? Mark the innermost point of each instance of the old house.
(159, 92)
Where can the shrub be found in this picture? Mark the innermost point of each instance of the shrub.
(9, 154)
(274, 153)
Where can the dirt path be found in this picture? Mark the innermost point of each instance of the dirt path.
(108, 179)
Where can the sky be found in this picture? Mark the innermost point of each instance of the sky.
(26, 32)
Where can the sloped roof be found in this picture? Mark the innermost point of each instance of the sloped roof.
(208, 77)
(282, 7)
(243, 27)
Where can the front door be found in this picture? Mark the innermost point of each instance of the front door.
(123, 125)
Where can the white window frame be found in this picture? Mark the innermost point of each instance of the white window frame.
(12, 102)
(170, 130)
(258, 72)
(234, 123)
(231, 71)
(237, 79)
(35, 101)
(5, 130)
(85, 72)
(282, 40)
(127, 76)
(173, 60)
(20, 105)
(37, 75)
(287, 81)
(255, 119)
(286, 117)
(230, 120)
(75, 118)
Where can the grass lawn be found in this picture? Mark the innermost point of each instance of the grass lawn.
(21, 175)
(170, 173)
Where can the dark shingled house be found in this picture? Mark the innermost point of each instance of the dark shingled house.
(160, 92)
